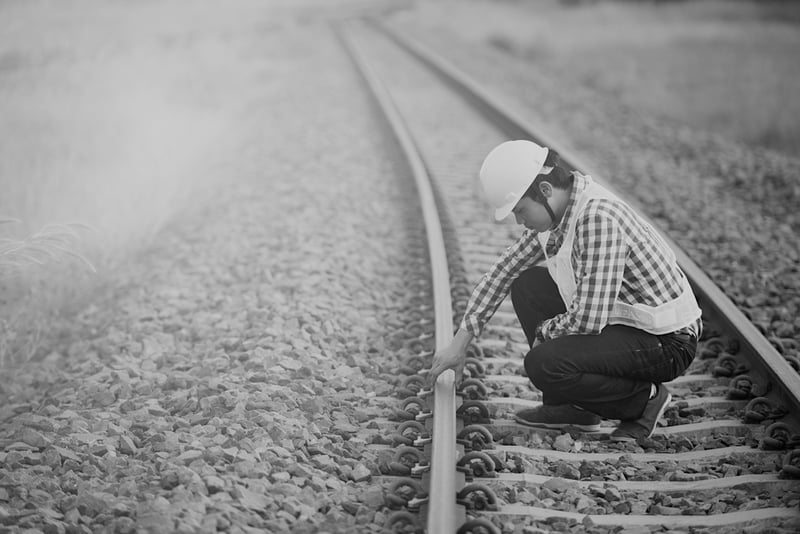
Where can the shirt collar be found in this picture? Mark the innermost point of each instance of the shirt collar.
(579, 185)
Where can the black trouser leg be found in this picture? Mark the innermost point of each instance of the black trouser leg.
(609, 373)
(535, 297)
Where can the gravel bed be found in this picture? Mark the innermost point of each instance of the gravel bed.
(626, 468)
(731, 207)
(580, 442)
(229, 379)
(600, 499)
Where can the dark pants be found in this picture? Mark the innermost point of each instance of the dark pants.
(609, 373)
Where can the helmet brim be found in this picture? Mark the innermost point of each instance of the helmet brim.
(506, 209)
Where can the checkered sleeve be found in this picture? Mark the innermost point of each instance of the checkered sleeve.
(599, 255)
(496, 283)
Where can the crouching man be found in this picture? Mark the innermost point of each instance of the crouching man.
(608, 314)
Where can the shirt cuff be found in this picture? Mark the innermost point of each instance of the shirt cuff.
(539, 335)
(471, 325)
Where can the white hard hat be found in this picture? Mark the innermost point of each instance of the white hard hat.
(508, 171)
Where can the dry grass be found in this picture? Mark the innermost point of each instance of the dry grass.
(52, 243)
(26, 264)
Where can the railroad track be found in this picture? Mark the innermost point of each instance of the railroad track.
(727, 460)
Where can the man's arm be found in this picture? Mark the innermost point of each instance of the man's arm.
(496, 283)
(483, 302)
(452, 357)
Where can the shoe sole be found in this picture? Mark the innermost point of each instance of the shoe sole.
(557, 426)
(660, 413)
(626, 439)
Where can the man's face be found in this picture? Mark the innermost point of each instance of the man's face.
(532, 215)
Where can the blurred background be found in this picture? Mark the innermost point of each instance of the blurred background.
(726, 66)
(122, 114)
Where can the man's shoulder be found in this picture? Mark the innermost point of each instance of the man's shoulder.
(606, 209)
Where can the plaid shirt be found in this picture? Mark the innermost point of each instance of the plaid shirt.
(614, 256)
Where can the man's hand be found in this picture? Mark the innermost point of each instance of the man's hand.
(444, 359)
(453, 356)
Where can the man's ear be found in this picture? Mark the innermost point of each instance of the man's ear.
(546, 188)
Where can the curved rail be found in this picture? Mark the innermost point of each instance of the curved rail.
(443, 484)
(775, 367)
(444, 514)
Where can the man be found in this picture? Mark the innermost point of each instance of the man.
(608, 314)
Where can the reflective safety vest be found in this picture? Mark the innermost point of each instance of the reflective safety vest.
(662, 319)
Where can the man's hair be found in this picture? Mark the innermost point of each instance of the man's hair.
(559, 177)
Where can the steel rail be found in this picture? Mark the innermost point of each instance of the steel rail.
(723, 309)
(444, 514)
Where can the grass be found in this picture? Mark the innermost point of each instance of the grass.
(24, 264)
(52, 243)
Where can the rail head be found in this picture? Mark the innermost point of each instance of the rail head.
(444, 515)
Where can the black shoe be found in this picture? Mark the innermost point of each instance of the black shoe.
(558, 416)
(646, 424)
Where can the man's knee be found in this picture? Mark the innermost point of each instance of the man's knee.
(532, 369)
(540, 364)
